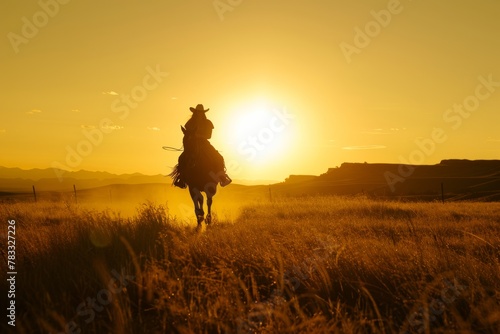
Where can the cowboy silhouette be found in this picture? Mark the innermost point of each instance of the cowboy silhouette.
(197, 132)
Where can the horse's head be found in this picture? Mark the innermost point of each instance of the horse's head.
(186, 137)
(188, 140)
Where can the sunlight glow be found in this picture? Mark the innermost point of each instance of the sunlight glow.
(260, 134)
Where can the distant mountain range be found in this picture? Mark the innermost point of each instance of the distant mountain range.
(22, 180)
(455, 179)
(17, 180)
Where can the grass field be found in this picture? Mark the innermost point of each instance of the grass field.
(295, 265)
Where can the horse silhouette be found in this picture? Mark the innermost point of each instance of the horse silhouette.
(200, 175)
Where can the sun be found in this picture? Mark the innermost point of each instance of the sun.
(260, 133)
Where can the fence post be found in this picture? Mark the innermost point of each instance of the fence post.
(34, 193)
(74, 189)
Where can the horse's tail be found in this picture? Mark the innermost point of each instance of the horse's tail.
(175, 173)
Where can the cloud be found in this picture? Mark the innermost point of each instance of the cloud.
(75, 110)
(173, 98)
(364, 147)
(34, 111)
(111, 92)
(153, 128)
(112, 127)
(380, 131)
(493, 140)
(2, 131)
(105, 127)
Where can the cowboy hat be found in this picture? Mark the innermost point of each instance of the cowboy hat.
(199, 107)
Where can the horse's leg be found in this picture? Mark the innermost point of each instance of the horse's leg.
(210, 193)
(209, 205)
(197, 198)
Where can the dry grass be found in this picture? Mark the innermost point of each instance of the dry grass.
(308, 265)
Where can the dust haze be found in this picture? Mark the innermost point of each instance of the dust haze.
(125, 199)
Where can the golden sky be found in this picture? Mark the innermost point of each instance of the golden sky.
(293, 87)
